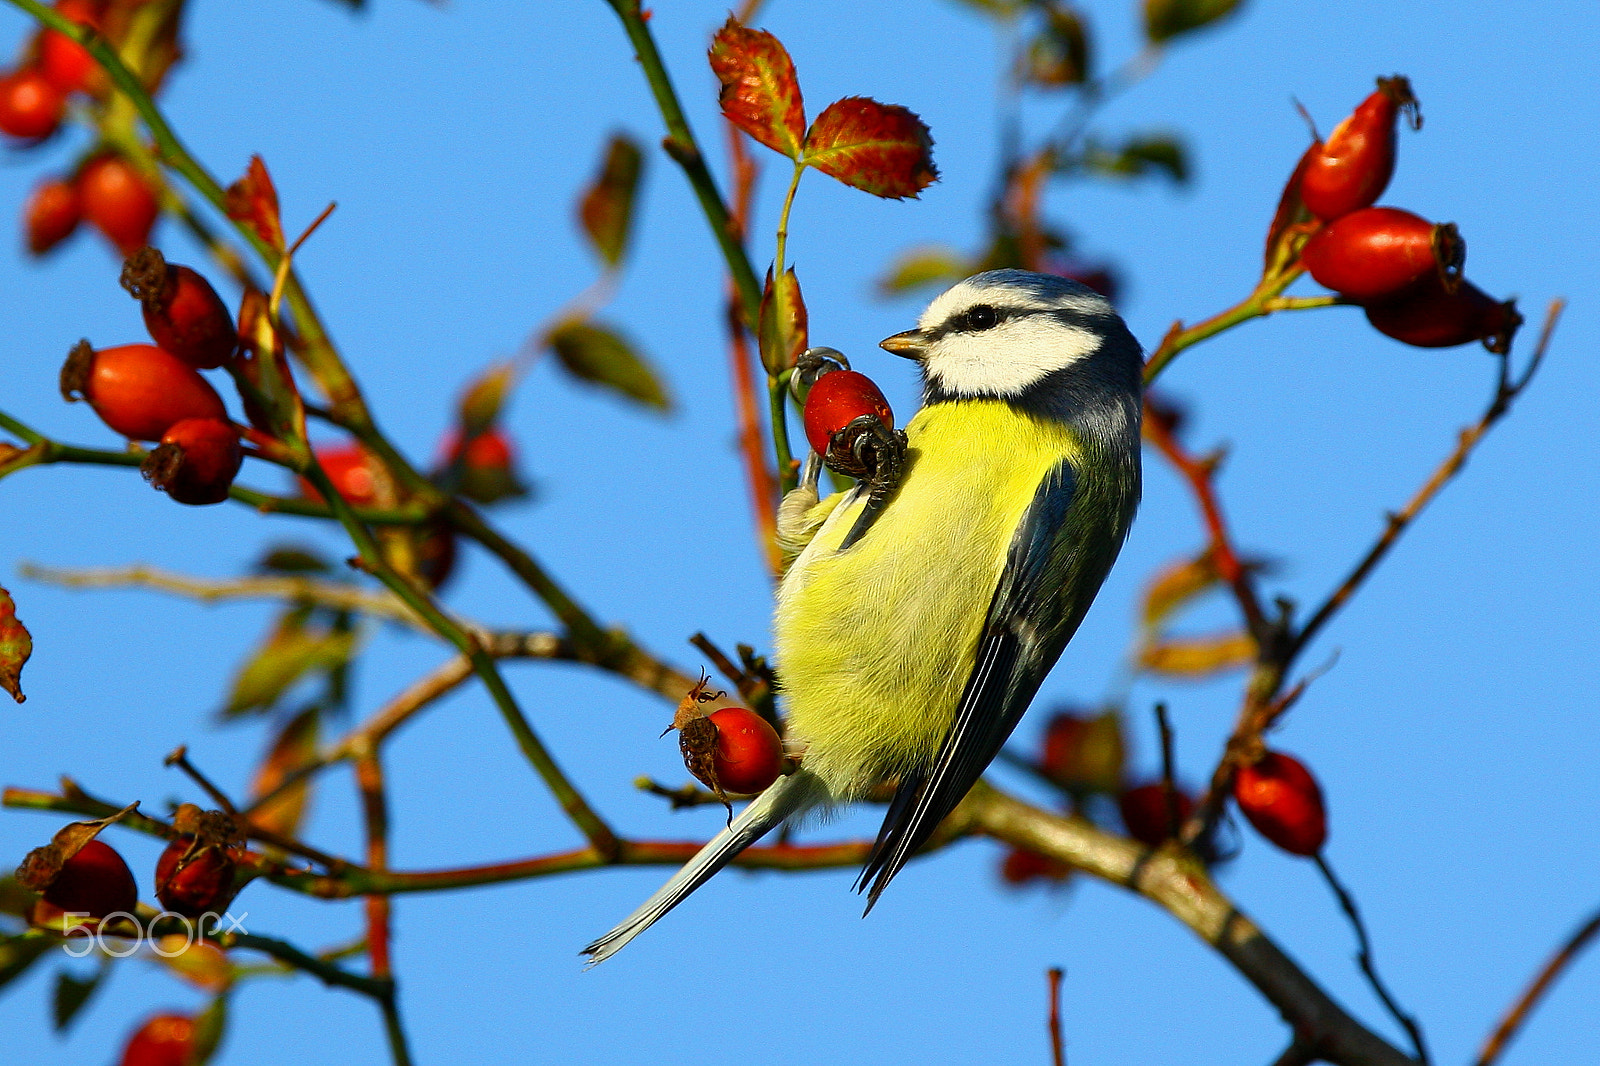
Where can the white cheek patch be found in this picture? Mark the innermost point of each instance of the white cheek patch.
(1006, 360)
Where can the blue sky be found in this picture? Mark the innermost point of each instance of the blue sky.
(1454, 733)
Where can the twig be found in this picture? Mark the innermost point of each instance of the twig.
(1264, 300)
(180, 758)
(375, 815)
(1368, 965)
(1506, 392)
(1058, 1053)
(1298, 1053)
(1200, 474)
(1518, 1014)
(681, 146)
(1169, 773)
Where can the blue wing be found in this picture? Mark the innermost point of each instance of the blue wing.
(1031, 617)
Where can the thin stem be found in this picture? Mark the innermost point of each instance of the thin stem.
(375, 813)
(1058, 1052)
(1261, 302)
(1169, 774)
(180, 759)
(680, 144)
(783, 220)
(1518, 1014)
(1506, 392)
(1364, 958)
(290, 955)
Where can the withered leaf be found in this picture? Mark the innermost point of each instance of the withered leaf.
(784, 333)
(294, 746)
(1059, 54)
(16, 644)
(292, 650)
(41, 865)
(760, 93)
(883, 149)
(254, 201)
(1175, 585)
(599, 355)
(606, 209)
(1197, 657)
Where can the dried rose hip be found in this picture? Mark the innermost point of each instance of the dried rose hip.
(118, 201)
(1146, 815)
(837, 399)
(192, 879)
(30, 107)
(182, 311)
(197, 460)
(52, 214)
(164, 1040)
(1432, 315)
(1353, 166)
(1284, 803)
(138, 390)
(1377, 252)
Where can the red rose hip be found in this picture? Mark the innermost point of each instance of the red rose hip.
(30, 107)
(164, 1040)
(1283, 801)
(138, 390)
(65, 62)
(837, 399)
(748, 756)
(118, 201)
(52, 215)
(1377, 252)
(1432, 315)
(182, 311)
(193, 879)
(1353, 166)
(1146, 815)
(95, 881)
(197, 460)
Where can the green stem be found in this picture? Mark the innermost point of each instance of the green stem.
(1266, 299)
(680, 144)
(783, 219)
(533, 749)
(778, 405)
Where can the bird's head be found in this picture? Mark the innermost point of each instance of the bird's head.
(1004, 334)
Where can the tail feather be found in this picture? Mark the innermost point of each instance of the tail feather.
(786, 796)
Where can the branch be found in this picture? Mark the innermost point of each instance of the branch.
(1266, 299)
(1518, 1014)
(1506, 392)
(1177, 882)
(680, 144)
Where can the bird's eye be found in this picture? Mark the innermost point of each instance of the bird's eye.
(982, 317)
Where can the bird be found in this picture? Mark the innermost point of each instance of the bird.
(909, 651)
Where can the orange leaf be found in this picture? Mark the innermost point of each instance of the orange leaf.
(784, 334)
(760, 93)
(883, 149)
(295, 746)
(254, 200)
(1196, 657)
(606, 209)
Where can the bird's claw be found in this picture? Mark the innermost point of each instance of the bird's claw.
(874, 454)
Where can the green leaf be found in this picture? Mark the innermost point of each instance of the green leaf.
(606, 210)
(934, 264)
(599, 355)
(71, 993)
(1059, 54)
(783, 322)
(485, 398)
(15, 898)
(209, 1027)
(17, 953)
(292, 559)
(293, 650)
(1138, 157)
(15, 646)
(1166, 19)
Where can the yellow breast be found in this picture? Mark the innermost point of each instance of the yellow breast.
(874, 644)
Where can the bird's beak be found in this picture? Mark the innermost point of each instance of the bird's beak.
(910, 344)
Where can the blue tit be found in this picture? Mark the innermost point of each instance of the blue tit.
(908, 652)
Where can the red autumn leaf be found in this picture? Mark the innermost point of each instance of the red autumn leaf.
(15, 647)
(783, 333)
(883, 149)
(760, 93)
(253, 200)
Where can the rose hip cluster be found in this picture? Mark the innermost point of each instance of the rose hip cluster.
(105, 188)
(154, 392)
(1404, 271)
